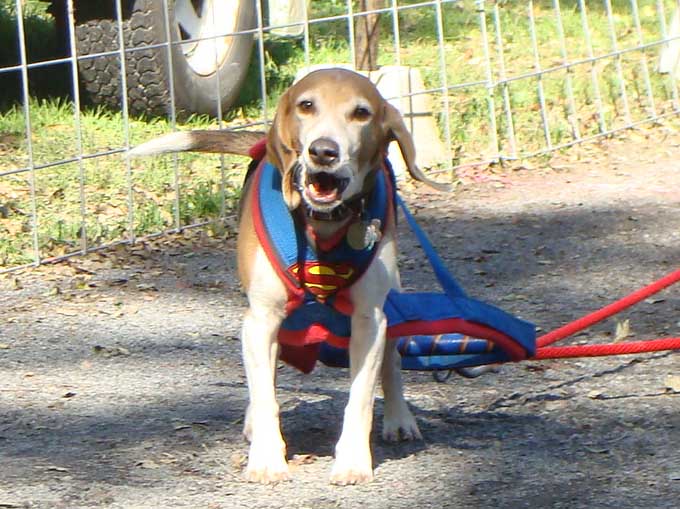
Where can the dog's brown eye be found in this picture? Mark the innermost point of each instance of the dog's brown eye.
(306, 106)
(361, 113)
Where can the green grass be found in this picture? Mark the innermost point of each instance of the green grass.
(103, 199)
(91, 197)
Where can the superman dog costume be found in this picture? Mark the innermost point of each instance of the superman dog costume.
(435, 330)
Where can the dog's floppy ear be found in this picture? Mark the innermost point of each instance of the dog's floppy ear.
(395, 129)
(283, 148)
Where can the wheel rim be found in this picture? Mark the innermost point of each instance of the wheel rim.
(205, 24)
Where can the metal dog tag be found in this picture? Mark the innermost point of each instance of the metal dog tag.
(364, 235)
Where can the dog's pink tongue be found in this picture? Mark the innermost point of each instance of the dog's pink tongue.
(319, 193)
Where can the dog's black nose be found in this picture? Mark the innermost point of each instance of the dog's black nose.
(324, 151)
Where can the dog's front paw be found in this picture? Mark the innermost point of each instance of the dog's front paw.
(353, 476)
(402, 426)
(351, 470)
(267, 474)
(266, 467)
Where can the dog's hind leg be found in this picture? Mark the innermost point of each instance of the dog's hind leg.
(398, 421)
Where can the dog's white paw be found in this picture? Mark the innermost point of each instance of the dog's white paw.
(352, 467)
(267, 465)
(267, 473)
(355, 474)
(400, 426)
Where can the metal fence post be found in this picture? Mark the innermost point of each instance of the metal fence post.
(35, 225)
(490, 84)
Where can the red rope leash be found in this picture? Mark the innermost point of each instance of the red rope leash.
(607, 311)
(563, 352)
(544, 352)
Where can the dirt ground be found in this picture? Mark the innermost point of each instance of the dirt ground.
(121, 383)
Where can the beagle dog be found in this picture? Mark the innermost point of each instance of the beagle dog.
(328, 139)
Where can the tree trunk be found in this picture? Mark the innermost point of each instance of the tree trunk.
(366, 32)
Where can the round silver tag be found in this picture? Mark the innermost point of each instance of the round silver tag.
(363, 235)
(356, 235)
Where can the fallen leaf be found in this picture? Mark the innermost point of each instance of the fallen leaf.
(595, 394)
(111, 351)
(654, 301)
(552, 406)
(82, 270)
(80, 283)
(148, 464)
(4, 346)
(673, 383)
(55, 290)
(302, 459)
(622, 330)
(514, 296)
(239, 460)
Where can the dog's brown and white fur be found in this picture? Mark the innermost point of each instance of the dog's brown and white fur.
(332, 122)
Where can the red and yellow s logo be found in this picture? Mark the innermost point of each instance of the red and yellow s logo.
(323, 279)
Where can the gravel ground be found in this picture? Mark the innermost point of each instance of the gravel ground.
(121, 383)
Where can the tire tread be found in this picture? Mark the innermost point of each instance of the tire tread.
(101, 76)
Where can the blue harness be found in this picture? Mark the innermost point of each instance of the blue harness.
(434, 330)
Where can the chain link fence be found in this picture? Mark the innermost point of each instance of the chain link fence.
(478, 82)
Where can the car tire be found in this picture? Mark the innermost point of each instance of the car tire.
(198, 76)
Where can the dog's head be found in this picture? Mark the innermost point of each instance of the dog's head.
(331, 131)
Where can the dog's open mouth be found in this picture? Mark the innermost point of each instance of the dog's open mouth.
(324, 188)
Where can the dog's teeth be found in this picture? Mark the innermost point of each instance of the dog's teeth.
(321, 195)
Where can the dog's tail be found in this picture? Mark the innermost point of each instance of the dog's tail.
(221, 142)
